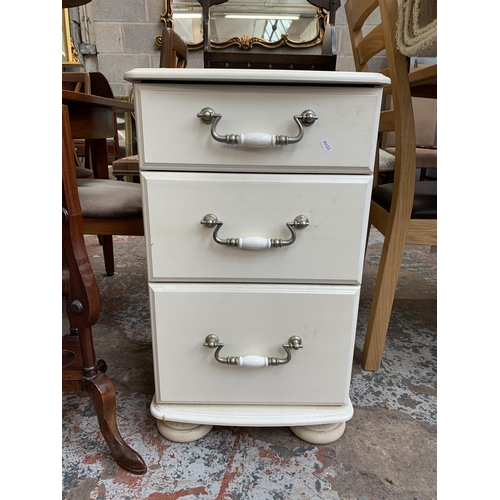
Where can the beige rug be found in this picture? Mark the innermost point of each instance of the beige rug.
(416, 34)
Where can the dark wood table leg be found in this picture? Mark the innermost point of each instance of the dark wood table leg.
(98, 156)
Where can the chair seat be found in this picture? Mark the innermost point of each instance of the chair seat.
(83, 173)
(126, 165)
(426, 157)
(424, 204)
(102, 198)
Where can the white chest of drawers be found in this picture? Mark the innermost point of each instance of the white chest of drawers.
(256, 188)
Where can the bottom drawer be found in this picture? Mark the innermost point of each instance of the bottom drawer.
(253, 320)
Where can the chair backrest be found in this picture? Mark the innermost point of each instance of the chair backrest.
(174, 50)
(76, 81)
(78, 279)
(400, 118)
(97, 84)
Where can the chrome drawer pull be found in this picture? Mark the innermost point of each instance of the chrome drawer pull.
(257, 139)
(254, 242)
(253, 361)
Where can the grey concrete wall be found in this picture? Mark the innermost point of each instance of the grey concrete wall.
(125, 33)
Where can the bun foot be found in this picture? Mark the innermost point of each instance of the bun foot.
(181, 432)
(319, 434)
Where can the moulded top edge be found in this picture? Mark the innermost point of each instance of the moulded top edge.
(256, 76)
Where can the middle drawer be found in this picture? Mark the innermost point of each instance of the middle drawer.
(255, 208)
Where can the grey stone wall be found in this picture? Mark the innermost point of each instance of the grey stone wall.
(125, 33)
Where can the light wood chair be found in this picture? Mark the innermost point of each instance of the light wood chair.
(404, 211)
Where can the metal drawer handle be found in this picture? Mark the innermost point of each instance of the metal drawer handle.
(253, 361)
(254, 242)
(257, 139)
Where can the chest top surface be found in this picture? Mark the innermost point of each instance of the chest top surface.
(285, 77)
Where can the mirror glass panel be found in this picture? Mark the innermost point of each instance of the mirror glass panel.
(267, 23)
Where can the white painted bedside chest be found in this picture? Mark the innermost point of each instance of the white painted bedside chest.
(256, 188)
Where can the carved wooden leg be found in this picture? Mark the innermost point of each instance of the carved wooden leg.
(103, 396)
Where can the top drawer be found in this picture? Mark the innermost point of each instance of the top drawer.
(172, 136)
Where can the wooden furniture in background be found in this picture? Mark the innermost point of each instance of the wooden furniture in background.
(78, 81)
(173, 54)
(109, 207)
(80, 369)
(174, 51)
(404, 211)
(425, 116)
(271, 59)
(92, 83)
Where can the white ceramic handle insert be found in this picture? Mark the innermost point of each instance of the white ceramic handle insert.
(254, 243)
(252, 361)
(257, 140)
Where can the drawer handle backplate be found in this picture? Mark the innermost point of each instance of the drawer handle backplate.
(253, 361)
(257, 139)
(254, 242)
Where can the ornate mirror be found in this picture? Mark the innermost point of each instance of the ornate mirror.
(69, 51)
(247, 23)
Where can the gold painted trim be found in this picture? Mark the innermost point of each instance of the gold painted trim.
(245, 42)
(67, 41)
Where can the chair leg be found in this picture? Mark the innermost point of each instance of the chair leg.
(383, 298)
(103, 396)
(107, 248)
(367, 236)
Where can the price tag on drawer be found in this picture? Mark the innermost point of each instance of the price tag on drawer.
(326, 145)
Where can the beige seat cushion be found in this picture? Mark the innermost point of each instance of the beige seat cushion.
(386, 161)
(426, 157)
(83, 173)
(104, 198)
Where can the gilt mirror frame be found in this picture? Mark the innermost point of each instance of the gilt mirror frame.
(69, 51)
(245, 42)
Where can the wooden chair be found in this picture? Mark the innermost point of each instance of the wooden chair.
(78, 81)
(404, 211)
(109, 207)
(425, 115)
(91, 83)
(174, 50)
(80, 369)
(173, 54)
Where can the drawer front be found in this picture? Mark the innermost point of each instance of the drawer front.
(253, 320)
(329, 250)
(342, 139)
